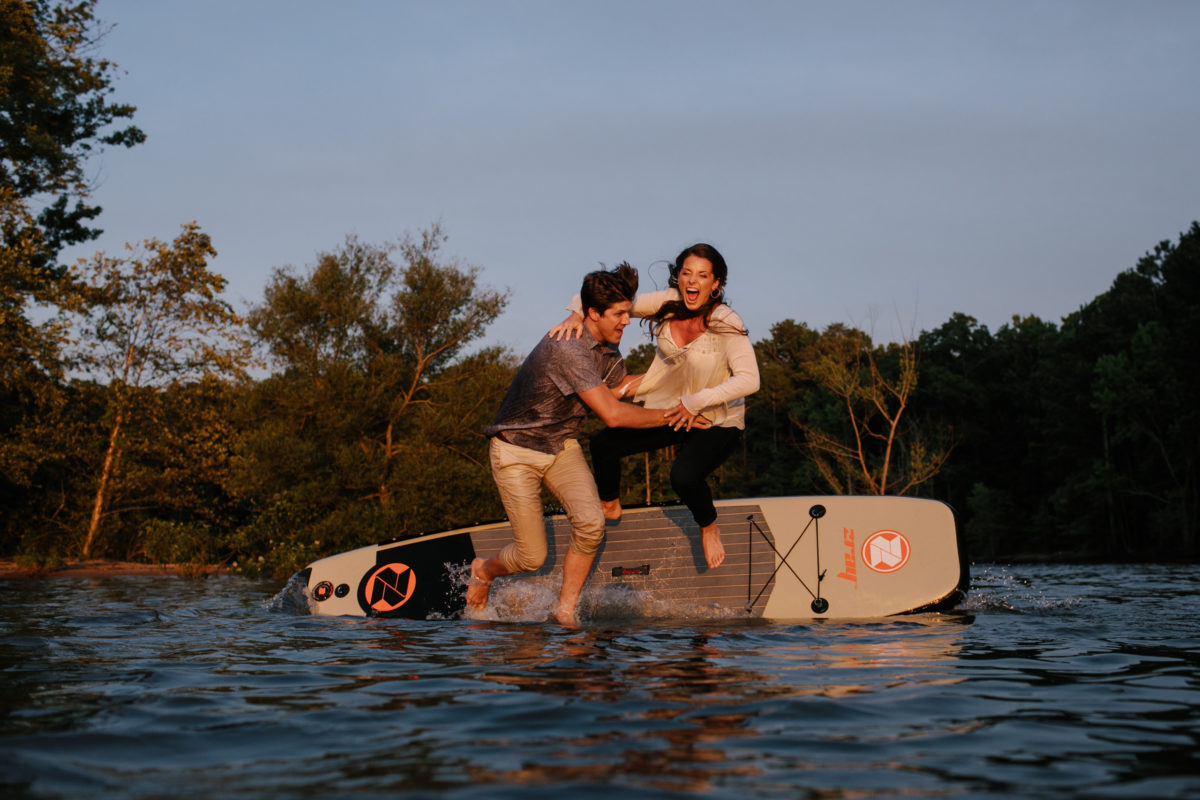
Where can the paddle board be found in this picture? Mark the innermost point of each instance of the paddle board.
(787, 558)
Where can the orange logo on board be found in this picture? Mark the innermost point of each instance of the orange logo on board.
(886, 551)
(851, 571)
(390, 587)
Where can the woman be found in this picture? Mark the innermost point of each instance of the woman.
(703, 369)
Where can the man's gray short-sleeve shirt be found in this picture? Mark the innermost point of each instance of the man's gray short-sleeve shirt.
(542, 409)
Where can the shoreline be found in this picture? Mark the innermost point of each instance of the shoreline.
(105, 568)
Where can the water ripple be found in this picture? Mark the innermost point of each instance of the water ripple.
(1052, 681)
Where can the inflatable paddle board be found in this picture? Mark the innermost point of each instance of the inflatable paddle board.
(787, 558)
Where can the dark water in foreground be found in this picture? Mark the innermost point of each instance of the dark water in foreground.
(1052, 681)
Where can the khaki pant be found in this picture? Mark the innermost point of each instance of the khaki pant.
(520, 474)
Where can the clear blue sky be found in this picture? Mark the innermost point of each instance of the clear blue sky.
(882, 164)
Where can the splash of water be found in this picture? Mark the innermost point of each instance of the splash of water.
(535, 599)
(529, 598)
(293, 598)
(999, 588)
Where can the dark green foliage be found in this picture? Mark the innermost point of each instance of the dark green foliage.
(1077, 440)
(371, 426)
(994, 392)
(1071, 440)
(157, 322)
(1137, 440)
(55, 112)
(164, 542)
(1082, 440)
(46, 461)
(787, 398)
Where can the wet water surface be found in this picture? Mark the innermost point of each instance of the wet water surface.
(1051, 681)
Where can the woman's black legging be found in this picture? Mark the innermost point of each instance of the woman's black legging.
(698, 453)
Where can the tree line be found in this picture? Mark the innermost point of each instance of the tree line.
(1071, 440)
(141, 417)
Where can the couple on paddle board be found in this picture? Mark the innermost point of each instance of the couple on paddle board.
(692, 397)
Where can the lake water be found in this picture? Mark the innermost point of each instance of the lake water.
(1051, 681)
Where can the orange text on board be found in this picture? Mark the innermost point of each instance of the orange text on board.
(851, 571)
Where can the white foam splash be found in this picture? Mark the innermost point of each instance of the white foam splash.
(293, 598)
(535, 599)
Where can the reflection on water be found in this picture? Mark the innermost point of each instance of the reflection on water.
(686, 708)
(534, 599)
(1051, 681)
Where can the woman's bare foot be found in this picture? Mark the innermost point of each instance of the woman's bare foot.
(611, 509)
(714, 551)
(478, 585)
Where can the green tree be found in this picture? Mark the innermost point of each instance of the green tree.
(27, 348)
(175, 474)
(1137, 440)
(877, 447)
(45, 462)
(371, 340)
(788, 400)
(372, 418)
(158, 319)
(437, 310)
(997, 393)
(1080, 440)
(55, 112)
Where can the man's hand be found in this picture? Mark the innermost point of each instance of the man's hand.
(679, 417)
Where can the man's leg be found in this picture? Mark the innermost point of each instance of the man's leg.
(518, 475)
(575, 572)
(572, 483)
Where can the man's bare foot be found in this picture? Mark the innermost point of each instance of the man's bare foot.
(566, 617)
(611, 509)
(478, 586)
(714, 550)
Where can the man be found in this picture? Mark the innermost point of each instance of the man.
(533, 439)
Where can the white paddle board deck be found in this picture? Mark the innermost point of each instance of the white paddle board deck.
(787, 558)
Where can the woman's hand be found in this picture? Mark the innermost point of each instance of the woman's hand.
(679, 417)
(571, 327)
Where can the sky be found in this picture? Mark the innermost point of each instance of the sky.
(878, 164)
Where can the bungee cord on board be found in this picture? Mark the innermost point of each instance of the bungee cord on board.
(819, 604)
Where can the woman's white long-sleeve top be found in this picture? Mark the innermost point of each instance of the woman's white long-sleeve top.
(711, 375)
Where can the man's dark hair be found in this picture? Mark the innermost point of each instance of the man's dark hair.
(605, 287)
